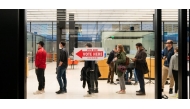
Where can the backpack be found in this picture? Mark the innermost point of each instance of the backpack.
(127, 61)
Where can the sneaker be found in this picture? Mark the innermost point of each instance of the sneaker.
(38, 92)
(88, 95)
(174, 95)
(171, 91)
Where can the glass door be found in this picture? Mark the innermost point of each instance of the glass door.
(30, 50)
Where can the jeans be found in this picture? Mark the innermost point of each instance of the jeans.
(128, 71)
(175, 75)
(135, 75)
(61, 75)
(40, 78)
(140, 76)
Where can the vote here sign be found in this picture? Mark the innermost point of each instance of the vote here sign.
(88, 53)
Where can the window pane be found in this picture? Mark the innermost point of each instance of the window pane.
(125, 26)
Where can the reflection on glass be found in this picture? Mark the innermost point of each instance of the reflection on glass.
(29, 50)
(129, 39)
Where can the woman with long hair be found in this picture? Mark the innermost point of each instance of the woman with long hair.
(120, 60)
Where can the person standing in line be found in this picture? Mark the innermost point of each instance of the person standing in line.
(111, 64)
(140, 59)
(173, 69)
(40, 64)
(62, 67)
(89, 67)
(168, 52)
(120, 59)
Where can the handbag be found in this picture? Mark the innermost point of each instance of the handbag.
(122, 68)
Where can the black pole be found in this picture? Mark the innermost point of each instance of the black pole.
(141, 25)
(61, 26)
(182, 46)
(30, 26)
(158, 59)
(163, 37)
(188, 52)
(153, 22)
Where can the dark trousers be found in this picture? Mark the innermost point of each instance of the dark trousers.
(96, 83)
(40, 78)
(129, 70)
(140, 77)
(61, 78)
(90, 81)
(175, 75)
(111, 72)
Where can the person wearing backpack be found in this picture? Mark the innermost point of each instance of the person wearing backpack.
(120, 60)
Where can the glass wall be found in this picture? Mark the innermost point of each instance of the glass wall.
(91, 32)
(125, 26)
(30, 52)
(110, 39)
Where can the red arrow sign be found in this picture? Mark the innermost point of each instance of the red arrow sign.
(80, 54)
(89, 53)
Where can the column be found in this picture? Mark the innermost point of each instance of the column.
(158, 48)
(61, 29)
(13, 53)
(73, 34)
(182, 58)
(189, 50)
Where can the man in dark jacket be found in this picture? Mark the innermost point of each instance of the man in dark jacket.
(61, 70)
(167, 54)
(110, 62)
(139, 60)
(89, 67)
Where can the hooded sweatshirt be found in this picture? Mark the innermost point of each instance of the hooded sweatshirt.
(173, 64)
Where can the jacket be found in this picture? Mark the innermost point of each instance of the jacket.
(121, 59)
(110, 57)
(40, 61)
(97, 72)
(168, 54)
(63, 58)
(89, 64)
(140, 59)
(173, 64)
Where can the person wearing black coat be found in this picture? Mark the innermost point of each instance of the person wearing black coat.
(89, 67)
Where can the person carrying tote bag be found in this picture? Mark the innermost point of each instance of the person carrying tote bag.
(120, 61)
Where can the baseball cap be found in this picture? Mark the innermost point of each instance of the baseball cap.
(41, 43)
